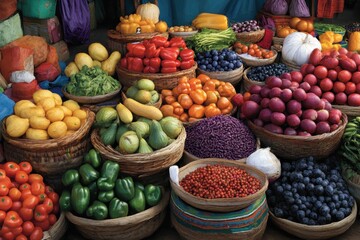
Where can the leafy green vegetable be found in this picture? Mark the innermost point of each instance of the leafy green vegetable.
(92, 82)
(323, 27)
(209, 39)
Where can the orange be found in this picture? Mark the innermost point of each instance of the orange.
(294, 21)
(310, 27)
(302, 26)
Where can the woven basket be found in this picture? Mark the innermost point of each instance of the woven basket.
(138, 164)
(278, 41)
(117, 41)
(251, 37)
(219, 204)
(91, 99)
(294, 147)
(354, 187)
(290, 65)
(233, 77)
(57, 230)
(254, 62)
(348, 110)
(157, 104)
(316, 232)
(248, 82)
(133, 227)
(161, 80)
(194, 224)
(53, 156)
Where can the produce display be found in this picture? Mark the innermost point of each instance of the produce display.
(324, 27)
(196, 98)
(217, 181)
(301, 25)
(310, 192)
(210, 20)
(353, 27)
(211, 39)
(246, 26)
(98, 56)
(284, 31)
(181, 29)
(46, 117)
(330, 40)
(28, 206)
(218, 60)
(143, 91)
(96, 190)
(158, 55)
(253, 50)
(92, 81)
(260, 73)
(220, 137)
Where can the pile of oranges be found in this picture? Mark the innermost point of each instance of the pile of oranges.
(253, 50)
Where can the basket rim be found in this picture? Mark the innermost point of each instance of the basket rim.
(250, 80)
(56, 225)
(260, 31)
(117, 36)
(235, 71)
(212, 161)
(90, 99)
(302, 138)
(130, 220)
(321, 228)
(258, 61)
(35, 145)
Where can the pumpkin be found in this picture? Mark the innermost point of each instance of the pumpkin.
(298, 46)
(354, 42)
(149, 11)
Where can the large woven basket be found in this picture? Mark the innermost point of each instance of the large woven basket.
(53, 156)
(219, 204)
(161, 80)
(248, 82)
(254, 62)
(194, 224)
(140, 164)
(251, 37)
(117, 41)
(233, 77)
(58, 230)
(294, 147)
(290, 65)
(278, 41)
(328, 231)
(133, 227)
(348, 110)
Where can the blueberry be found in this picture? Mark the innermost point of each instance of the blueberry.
(215, 63)
(331, 205)
(238, 64)
(289, 200)
(298, 201)
(300, 214)
(305, 221)
(329, 190)
(341, 197)
(335, 198)
(206, 62)
(321, 220)
(328, 199)
(294, 208)
(344, 204)
(325, 183)
(318, 181)
(339, 215)
(214, 52)
(286, 166)
(221, 57)
(313, 215)
(312, 222)
(278, 212)
(307, 212)
(215, 58)
(319, 190)
(318, 205)
(302, 207)
(321, 198)
(231, 66)
(306, 180)
(301, 187)
(324, 210)
(202, 67)
(328, 218)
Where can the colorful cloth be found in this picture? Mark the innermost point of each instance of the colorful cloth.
(327, 8)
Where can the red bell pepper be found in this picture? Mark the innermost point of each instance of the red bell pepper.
(150, 50)
(170, 63)
(187, 64)
(169, 53)
(149, 69)
(152, 62)
(135, 64)
(123, 62)
(168, 70)
(177, 42)
(160, 41)
(187, 54)
(136, 50)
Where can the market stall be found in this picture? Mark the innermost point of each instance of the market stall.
(223, 127)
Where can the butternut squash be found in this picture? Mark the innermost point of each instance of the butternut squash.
(109, 64)
(354, 42)
(143, 110)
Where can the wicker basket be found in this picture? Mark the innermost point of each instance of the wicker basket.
(251, 37)
(294, 147)
(57, 230)
(133, 227)
(354, 187)
(161, 80)
(53, 156)
(316, 232)
(348, 110)
(141, 165)
(194, 224)
(248, 82)
(157, 104)
(91, 99)
(117, 41)
(278, 41)
(219, 204)
(290, 65)
(254, 62)
(183, 35)
(233, 77)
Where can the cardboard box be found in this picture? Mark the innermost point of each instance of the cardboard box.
(50, 29)
(62, 50)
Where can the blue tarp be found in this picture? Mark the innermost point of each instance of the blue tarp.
(176, 12)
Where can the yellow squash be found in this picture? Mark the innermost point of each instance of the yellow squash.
(211, 20)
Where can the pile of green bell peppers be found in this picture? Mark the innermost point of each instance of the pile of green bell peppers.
(96, 190)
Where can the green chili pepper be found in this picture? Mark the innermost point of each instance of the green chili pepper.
(118, 208)
(98, 210)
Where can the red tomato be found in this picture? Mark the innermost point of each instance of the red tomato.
(2, 174)
(13, 220)
(48, 205)
(31, 201)
(52, 219)
(6, 181)
(4, 190)
(339, 87)
(42, 197)
(24, 186)
(350, 88)
(26, 167)
(15, 194)
(17, 231)
(37, 188)
(37, 234)
(25, 194)
(26, 213)
(21, 237)
(344, 76)
(11, 168)
(21, 177)
(16, 206)
(34, 177)
(5, 203)
(48, 189)
(2, 216)
(54, 197)
(56, 209)
(28, 228)
(45, 225)
(8, 236)
(40, 213)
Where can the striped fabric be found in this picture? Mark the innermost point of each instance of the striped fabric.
(222, 223)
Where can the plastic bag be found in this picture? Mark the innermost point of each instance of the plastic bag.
(75, 17)
(46, 71)
(22, 76)
(298, 8)
(276, 7)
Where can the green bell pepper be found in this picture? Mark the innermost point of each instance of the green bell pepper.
(152, 194)
(80, 198)
(138, 202)
(65, 201)
(98, 210)
(104, 184)
(140, 186)
(125, 189)
(93, 158)
(106, 196)
(88, 174)
(118, 208)
(110, 170)
(93, 191)
(70, 177)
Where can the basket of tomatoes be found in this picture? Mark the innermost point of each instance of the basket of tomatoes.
(253, 55)
(29, 209)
